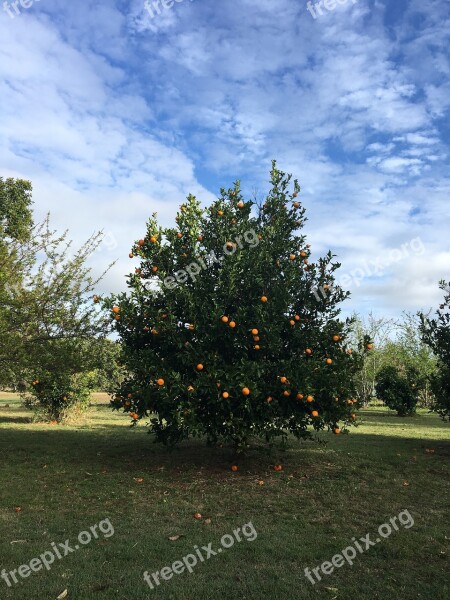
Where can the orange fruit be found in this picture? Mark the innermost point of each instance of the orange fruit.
(283, 379)
(190, 388)
(369, 346)
(240, 204)
(160, 381)
(116, 309)
(155, 269)
(308, 351)
(225, 395)
(224, 319)
(292, 322)
(264, 298)
(278, 468)
(153, 239)
(141, 242)
(310, 398)
(349, 351)
(256, 338)
(246, 391)
(200, 238)
(234, 468)
(286, 393)
(349, 402)
(197, 516)
(232, 324)
(117, 317)
(255, 332)
(269, 399)
(220, 213)
(200, 367)
(336, 431)
(296, 205)
(329, 361)
(297, 318)
(131, 255)
(154, 331)
(292, 256)
(257, 347)
(314, 413)
(336, 338)
(179, 235)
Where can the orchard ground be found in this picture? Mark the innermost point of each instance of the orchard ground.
(67, 478)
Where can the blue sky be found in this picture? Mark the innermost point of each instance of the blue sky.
(114, 114)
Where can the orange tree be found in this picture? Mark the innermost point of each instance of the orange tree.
(222, 334)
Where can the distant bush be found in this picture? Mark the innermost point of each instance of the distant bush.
(396, 391)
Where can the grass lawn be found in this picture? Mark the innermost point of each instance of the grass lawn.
(66, 479)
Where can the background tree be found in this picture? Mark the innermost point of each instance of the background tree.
(221, 332)
(49, 329)
(379, 332)
(436, 334)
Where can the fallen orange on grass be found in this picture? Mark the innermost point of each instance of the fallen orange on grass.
(278, 468)
(197, 516)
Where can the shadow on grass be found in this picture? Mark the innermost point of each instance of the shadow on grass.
(121, 450)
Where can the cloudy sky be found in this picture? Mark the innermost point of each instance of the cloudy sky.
(115, 111)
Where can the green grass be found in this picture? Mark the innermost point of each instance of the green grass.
(68, 478)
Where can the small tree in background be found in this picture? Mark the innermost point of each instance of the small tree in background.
(49, 329)
(221, 331)
(396, 391)
(436, 334)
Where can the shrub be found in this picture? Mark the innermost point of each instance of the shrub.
(58, 396)
(223, 333)
(396, 391)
